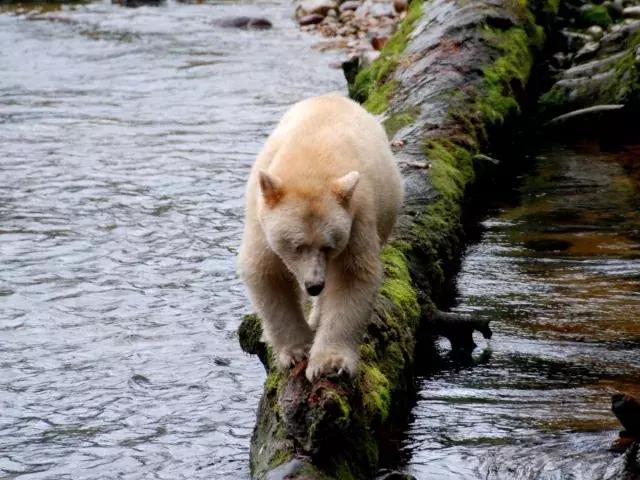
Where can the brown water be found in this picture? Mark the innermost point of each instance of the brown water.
(558, 271)
(125, 139)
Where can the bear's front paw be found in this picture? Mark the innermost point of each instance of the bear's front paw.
(332, 361)
(290, 356)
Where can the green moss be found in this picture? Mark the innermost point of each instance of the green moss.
(372, 85)
(396, 121)
(272, 381)
(596, 15)
(398, 286)
(497, 98)
(343, 472)
(279, 457)
(376, 396)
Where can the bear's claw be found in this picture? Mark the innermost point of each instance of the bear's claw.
(290, 356)
(330, 363)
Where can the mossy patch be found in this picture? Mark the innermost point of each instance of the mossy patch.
(376, 395)
(506, 77)
(372, 85)
(398, 120)
(398, 286)
(596, 15)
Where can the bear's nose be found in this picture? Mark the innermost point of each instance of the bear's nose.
(314, 289)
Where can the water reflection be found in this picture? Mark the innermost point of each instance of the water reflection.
(559, 274)
(126, 137)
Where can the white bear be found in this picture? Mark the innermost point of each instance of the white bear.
(321, 200)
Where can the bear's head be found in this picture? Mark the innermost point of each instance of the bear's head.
(307, 229)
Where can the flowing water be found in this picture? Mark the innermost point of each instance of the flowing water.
(126, 136)
(559, 273)
(125, 139)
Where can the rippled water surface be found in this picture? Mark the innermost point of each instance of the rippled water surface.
(559, 274)
(125, 137)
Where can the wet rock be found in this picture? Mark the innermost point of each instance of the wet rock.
(614, 9)
(561, 60)
(595, 32)
(248, 23)
(312, 19)
(547, 245)
(631, 12)
(397, 476)
(627, 409)
(595, 15)
(375, 9)
(574, 41)
(350, 5)
(317, 7)
(347, 15)
(587, 52)
(138, 3)
(400, 5)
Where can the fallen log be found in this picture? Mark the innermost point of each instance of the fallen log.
(453, 73)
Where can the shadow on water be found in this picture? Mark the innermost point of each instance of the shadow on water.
(556, 266)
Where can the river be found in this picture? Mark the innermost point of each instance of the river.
(557, 269)
(126, 137)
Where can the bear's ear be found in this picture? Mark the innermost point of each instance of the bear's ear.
(344, 187)
(271, 187)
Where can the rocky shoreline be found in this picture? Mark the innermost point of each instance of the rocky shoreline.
(359, 28)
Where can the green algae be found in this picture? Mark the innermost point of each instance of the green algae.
(596, 15)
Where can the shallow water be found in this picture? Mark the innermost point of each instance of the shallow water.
(126, 136)
(559, 273)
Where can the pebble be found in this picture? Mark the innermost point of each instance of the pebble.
(349, 5)
(595, 32)
(587, 52)
(312, 19)
(631, 12)
(248, 23)
(378, 42)
(574, 40)
(400, 5)
(319, 7)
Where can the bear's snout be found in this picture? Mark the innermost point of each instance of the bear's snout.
(313, 289)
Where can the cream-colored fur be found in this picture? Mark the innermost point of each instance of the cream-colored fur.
(321, 200)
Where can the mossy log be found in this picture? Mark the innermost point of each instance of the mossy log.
(453, 73)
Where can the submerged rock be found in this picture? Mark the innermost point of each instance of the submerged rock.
(312, 19)
(631, 12)
(319, 7)
(350, 5)
(138, 3)
(248, 23)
